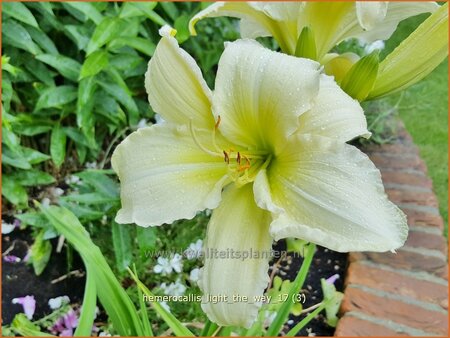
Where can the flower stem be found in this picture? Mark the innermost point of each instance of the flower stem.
(292, 332)
(297, 285)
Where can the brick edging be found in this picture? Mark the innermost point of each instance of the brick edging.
(403, 293)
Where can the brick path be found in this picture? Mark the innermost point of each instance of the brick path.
(406, 293)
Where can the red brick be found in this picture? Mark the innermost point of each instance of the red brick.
(399, 312)
(416, 217)
(418, 239)
(405, 260)
(395, 148)
(413, 162)
(408, 196)
(349, 326)
(396, 283)
(406, 178)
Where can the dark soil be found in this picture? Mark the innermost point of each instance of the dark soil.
(325, 264)
(19, 279)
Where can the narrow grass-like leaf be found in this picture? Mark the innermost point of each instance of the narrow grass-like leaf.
(144, 315)
(116, 302)
(177, 327)
(87, 315)
(32, 178)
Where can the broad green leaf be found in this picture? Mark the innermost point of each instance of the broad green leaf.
(108, 29)
(361, 77)
(34, 156)
(82, 212)
(32, 178)
(123, 245)
(100, 182)
(43, 40)
(76, 136)
(15, 35)
(40, 71)
(415, 57)
(94, 64)
(20, 12)
(85, 102)
(14, 158)
(146, 238)
(68, 67)
(170, 9)
(87, 9)
(124, 98)
(129, 9)
(306, 44)
(13, 191)
(143, 45)
(79, 34)
(36, 219)
(181, 24)
(40, 253)
(58, 145)
(56, 97)
(119, 307)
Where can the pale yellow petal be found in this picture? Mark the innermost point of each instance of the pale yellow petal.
(332, 195)
(237, 229)
(260, 94)
(165, 176)
(334, 114)
(175, 86)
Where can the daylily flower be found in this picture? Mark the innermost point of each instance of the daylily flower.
(312, 29)
(28, 303)
(331, 22)
(267, 152)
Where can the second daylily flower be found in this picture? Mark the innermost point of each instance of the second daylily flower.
(267, 152)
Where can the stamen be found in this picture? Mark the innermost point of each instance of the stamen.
(218, 122)
(226, 157)
(194, 136)
(238, 158)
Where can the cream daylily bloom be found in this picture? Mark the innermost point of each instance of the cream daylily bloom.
(331, 22)
(266, 150)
